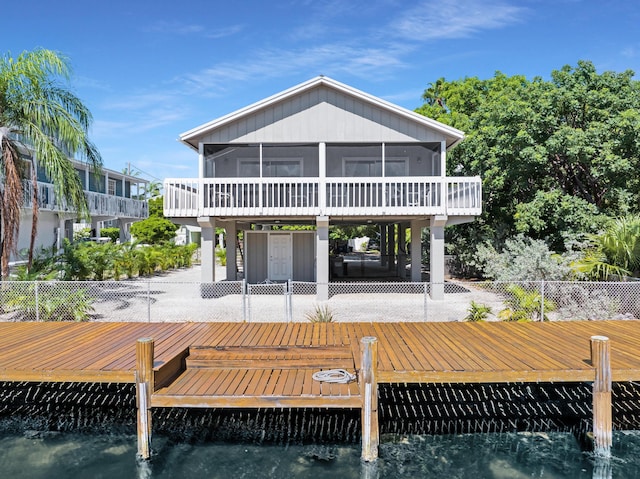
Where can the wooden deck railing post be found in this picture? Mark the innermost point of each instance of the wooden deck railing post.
(602, 422)
(369, 389)
(144, 389)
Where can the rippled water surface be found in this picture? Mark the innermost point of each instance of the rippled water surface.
(499, 456)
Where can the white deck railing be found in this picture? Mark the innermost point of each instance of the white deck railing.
(99, 203)
(184, 197)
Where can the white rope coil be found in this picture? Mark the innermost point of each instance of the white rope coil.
(334, 376)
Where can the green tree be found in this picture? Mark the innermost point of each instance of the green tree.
(577, 134)
(38, 113)
(154, 230)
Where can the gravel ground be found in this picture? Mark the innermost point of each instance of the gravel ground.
(175, 296)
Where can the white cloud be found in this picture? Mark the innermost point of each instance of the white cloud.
(179, 28)
(326, 59)
(442, 19)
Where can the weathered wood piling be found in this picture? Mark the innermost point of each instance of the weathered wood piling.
(602, 421)
(369, 391)
(144, 389)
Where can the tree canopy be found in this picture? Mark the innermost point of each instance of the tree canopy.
(555, 155)
(39, 117)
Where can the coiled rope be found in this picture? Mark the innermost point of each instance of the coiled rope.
(334, 376)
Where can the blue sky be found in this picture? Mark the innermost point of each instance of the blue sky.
(150, 70)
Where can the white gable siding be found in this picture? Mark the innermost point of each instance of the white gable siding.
(322, 115)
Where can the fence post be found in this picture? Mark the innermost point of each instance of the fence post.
(289, 300)
(37, 298)
(244, 299)
(602, 422)
(148, 301)
(248, 303)
(144, 389)
(426, 294)
(368, 384)
(542, 301)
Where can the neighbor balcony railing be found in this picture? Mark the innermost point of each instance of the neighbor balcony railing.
(186, 197)
(99, 204)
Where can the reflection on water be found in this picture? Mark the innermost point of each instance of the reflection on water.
(477, 456)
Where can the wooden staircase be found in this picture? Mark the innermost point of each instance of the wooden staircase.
(260, 376)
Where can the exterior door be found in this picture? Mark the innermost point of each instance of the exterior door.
(280, 256)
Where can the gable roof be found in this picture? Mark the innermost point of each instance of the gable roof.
(191, 137)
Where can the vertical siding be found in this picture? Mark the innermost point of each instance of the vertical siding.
(322, 114)
(256, 257)
(303, 256)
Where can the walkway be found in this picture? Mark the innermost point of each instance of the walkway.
(408, 352)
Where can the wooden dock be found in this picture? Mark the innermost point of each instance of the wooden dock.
(251, 365)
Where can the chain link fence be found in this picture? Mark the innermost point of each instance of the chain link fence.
(157, 301)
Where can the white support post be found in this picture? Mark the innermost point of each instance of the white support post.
(208, 248)
(232, 240)
(322, 177)
(322, 258)
(402, 250)
(383, 245)
(391, 246)
(436, 269)
(416, 250)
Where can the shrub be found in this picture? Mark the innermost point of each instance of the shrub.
(154, 230)
(522, 259)
(320, 314)
(477, 312)
(53, 302)
(221, 256)
(112, 233)
(523, 305)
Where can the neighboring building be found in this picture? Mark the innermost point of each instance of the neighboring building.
(111, 196)
(320, 153)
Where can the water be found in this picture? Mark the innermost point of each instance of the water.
(477, 456)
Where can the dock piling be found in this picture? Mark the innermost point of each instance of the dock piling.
(602, 421)
(369, 387)
(144, 389)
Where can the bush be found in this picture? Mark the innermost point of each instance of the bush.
(320, 314)
(477, 312)
(522, 259)
(112, 233)
(154, 230)
(53, 302)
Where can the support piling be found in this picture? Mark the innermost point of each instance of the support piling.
(602, 420)
(144, 389)
(369, 389)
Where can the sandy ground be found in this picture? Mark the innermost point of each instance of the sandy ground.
(176, 296)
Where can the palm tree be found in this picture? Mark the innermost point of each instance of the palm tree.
(41, 119)
(615, 251)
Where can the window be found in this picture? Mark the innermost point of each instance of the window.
(111, 190)
(286, 168)
(353, 167)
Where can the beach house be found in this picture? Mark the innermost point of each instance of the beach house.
(114, 197)
(321, 153)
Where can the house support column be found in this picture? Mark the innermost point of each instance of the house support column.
(232, 240)
(402, 251)
(322, 258)
(208, 248)
(436, 267)
(124, 230)
(383, 245)
(416, 250)
(95, 228)
(391, 248)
